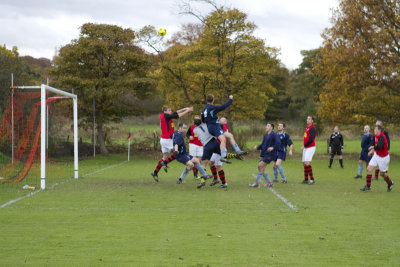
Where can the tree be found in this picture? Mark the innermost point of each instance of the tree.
(360, 60)
(104, 64)
(306, 85)
(220, 56)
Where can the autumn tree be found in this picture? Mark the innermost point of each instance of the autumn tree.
(306, 85)
(104, 65)
(360, 60)
(219, 55)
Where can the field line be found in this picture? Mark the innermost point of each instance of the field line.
(287, 202)
(54, 185)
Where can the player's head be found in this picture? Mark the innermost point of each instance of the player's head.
(379, 123)
(166, 110)
(336, 129)
(281, 126)
(269, 127)
(378, 129)
(210, 99)
(223, 120)
(197, 120)
(310, 119)
(182, 127)
(366, 128)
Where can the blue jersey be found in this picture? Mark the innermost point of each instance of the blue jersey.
(178, 139)
(366, 142)
(209, 112)
(285, 141)
(269, 140)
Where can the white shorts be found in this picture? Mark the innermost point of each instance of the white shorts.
(167, 145)
(216, 158)
(308, 153)
(195, 150)
(382, 163)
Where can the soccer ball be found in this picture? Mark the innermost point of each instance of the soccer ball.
(162, 31)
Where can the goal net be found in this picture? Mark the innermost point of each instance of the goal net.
(38, 136)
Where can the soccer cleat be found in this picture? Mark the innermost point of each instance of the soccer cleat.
(376, 178)
(241, 152)
(214, 182)
(226, 160)
(366, 188)
(225, 185)
(254, 185)
(357, 176)
(205, 177)
(329, 167)
(197, 177)
(269, 185)
(283, 181)
(310, 182)
(164, 165)
(390, 186)
(304, 181)
(155, 177)
(276, 180)
(179, 181)
(200, 185)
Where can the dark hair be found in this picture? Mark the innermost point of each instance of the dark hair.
(181, 124)
(380, 127)
(209, 98)
(284, 125)
(197, 121)
(164, 108)
(270, 123)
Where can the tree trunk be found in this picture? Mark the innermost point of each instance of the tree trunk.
(100, 136)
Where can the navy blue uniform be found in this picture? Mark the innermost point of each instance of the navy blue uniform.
(366, 142)
(285, 142)
(182, 156)
(209, 116)
(269, 140)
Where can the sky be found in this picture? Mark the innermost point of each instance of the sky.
(39, 28)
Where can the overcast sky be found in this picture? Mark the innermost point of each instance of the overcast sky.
(38, 28)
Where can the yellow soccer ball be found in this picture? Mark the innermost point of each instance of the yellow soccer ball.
(162, 31)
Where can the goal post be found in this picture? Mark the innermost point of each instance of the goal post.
(43, 127)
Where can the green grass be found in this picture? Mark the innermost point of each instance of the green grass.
(121, 217)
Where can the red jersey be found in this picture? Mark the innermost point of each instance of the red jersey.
(384, 151)
(307, 136)
(195, 140)
(167, 126)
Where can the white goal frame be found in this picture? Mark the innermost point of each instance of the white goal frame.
(43, 131)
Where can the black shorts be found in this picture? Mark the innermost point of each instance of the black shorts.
(336, 150)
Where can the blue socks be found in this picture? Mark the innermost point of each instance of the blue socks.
(223, 153)
(280, 169)
(201, 169)
(184, 174)
(360, 169)
(236, 147)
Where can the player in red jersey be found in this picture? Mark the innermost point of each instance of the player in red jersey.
(380, 159)
(309, 150)
(167, 130)
(195, 146)
(388, 140)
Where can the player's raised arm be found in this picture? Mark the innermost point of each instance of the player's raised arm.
(184, 111)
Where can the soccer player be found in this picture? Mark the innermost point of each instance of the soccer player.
(268, 147)
(309, 150)
(195, 146)
(211, 149)
(388, 140)
(182, 156)
(229, 136)
(380, 159)
(281, 152)
(167, 130)
(336, 146)
(366, 142)
(209, 116)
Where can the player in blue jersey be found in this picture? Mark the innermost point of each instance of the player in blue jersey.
(182, 156)
(210, 117)
(281, 152)
(366, 142)
(268, 147)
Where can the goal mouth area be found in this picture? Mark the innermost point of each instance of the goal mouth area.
(38, 125)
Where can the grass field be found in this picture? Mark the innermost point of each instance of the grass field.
(120, 217)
